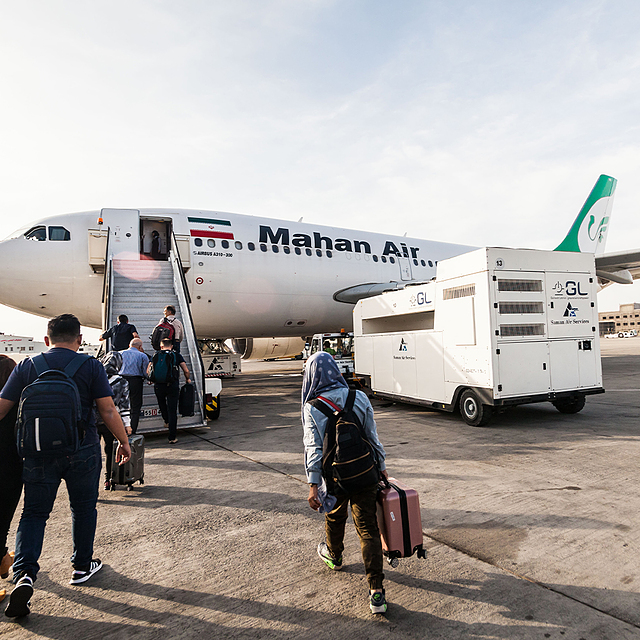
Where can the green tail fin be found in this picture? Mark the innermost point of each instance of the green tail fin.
(588, 233)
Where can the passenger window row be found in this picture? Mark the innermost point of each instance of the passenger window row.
(298, 251)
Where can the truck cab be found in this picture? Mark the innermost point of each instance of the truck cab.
(339, 345)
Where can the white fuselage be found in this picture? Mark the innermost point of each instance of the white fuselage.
(248, 276)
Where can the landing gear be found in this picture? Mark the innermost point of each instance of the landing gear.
(473, 412)
(570, 405)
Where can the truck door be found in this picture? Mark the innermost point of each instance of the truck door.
(523, 368)
(124, 228)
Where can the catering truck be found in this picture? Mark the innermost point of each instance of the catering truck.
(495, 327)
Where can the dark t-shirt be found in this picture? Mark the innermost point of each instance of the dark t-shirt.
(91, 379)
(121, 335)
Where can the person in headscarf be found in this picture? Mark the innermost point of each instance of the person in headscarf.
(323, 378)
(112, 363)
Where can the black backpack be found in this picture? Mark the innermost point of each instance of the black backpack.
(349, 461)
(163, 331)
(164, 367)
(50, 411)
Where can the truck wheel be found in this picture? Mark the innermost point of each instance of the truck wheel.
(212, 409)
(473, 412)
(570, 405)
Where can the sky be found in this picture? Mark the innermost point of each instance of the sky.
(480, 123)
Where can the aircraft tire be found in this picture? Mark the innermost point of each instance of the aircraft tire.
(212, 409)
(570, 405)
(473, 412)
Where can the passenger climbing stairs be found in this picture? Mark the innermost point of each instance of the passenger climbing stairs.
(141, 289)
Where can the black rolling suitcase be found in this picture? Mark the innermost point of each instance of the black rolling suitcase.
(187, 400)
(132, 470)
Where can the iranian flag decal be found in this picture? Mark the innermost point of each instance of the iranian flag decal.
(211, 228)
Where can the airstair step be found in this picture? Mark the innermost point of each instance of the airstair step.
(141, 290)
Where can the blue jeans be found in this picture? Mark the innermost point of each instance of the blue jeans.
(42, 477)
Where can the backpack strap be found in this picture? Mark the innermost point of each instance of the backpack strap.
(76, 362)
(326, 401)
(322, 407)
(40, 364)
(351, 398)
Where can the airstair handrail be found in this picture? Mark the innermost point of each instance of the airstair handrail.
(184, 298)
(107, 288)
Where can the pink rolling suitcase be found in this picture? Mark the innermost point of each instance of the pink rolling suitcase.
(399, 521)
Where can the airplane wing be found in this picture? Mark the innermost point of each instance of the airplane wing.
(622, 267)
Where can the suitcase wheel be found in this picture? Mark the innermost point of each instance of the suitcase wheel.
(394, 562)
(129, 487)
(112, 487)
(141, 480)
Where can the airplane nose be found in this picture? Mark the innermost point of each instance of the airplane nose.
(9, 261)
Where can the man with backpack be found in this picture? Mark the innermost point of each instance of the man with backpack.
(344, 455)
(164, 372)
(58, 439)
(169, 328)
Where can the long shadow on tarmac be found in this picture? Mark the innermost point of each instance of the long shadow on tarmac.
(184, 613)
(269, 502)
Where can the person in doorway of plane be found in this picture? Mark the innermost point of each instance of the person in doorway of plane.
(156, 247)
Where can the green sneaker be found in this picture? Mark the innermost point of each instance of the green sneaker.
(378, 602)
(329, 560)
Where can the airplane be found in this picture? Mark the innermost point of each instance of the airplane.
(250, 277)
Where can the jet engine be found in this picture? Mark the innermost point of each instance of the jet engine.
(267, 348)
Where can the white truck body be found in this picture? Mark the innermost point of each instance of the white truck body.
(514, 325)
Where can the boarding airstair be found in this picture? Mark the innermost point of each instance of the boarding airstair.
(141, 288)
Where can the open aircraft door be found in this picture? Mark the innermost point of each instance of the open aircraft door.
(124, 226)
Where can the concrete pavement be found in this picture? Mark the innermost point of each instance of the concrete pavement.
(530, 527)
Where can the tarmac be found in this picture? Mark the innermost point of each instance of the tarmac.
(530, 525)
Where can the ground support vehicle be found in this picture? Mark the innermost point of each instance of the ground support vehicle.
(496, 327)
(339, 345)
(218, 359)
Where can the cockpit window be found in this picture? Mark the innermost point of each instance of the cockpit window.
(36, 233)
(59, 233)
